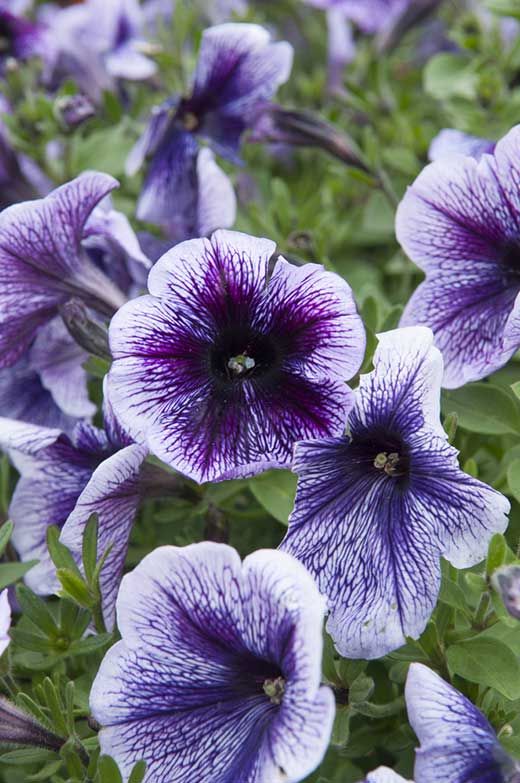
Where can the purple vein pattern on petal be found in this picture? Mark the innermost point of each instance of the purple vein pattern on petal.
(458, 744)
(41, 261)
(204, 638)
(221, 368)
(54, 469)
(113, 494)
(460, 222)
(374, 511)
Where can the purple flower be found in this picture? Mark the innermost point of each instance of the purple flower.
(5, 621)
(224, 366)
(238, 70)
(370, 16)
(460, 222)
(375, 510)
(97, 43)
(21, 38)
(451, 142)
(43, 262)
(384, 775)
(60, 476)
(506, 581)
(204, 196)
(217, 676)
(457, 743)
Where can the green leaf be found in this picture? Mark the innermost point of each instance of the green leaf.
(108, 770)
(89, 547)
(275, 491)
(448, 75)
(138, 773)
(75, 587)
(36, 610)
(27, 756)
(497, 553)
(90, 644)
(60, 555)
(103, 150)
(341, 728)
(513, 479)
(12, 572)
(504, 7)
(5, 534)
(452, 595)
(487, 662)
(483, 408)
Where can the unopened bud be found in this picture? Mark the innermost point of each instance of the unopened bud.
(72, 110)
(506, 581)
(89, 334)
(18, 728)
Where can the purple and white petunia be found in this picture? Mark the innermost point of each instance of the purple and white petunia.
(5, 621)
(458, 745)
(460, 223)
(225, 365)
(43, 263)
(384, 775)
(96, 42)
(21, 38)
(376, 509)
(217, 676)
(450, 141)
(64, 480)
(238, 70)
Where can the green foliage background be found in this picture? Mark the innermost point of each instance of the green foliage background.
(316, 208)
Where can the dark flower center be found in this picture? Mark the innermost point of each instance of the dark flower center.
(383, 452)
(237, 355)
(511, 260)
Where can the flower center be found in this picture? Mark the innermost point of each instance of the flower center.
(387, 462)
(190, 121)
(381, 451)
(241, 364)
(238, 355)
(511, 260)
(274, 689)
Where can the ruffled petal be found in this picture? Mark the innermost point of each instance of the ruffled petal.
(113, 494)
(457, 742)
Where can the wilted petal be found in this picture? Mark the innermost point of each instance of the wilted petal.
(457, 742)
(113, 494)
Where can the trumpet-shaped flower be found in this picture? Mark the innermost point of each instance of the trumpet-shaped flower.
(217, 676)
(458, 745)
(238, 70)
(460, 222)
(376, 509)
(224, 365)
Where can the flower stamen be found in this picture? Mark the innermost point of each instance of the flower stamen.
(241, 364)
(387, 462)
(275, 689)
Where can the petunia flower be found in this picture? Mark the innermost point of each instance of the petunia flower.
(384, 775)
(376, 509)
(450, 142)
(217, 676)
(43, 263)
(458, 745)
(5, 621)
(21, 38)
(58, 473)
(224, 365)
(460, 223)
(97, 43)
(238, 70)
